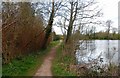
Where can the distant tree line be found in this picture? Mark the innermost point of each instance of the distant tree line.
(101, 36)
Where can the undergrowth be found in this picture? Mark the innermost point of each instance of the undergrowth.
(28, 64)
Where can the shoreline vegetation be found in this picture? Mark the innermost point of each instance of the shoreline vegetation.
(66, 65)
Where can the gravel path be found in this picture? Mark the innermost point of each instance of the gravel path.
(45, 69)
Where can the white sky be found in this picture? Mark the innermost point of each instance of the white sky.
(109, 9)
(110, 12)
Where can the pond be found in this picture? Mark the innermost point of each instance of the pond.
(99, 51)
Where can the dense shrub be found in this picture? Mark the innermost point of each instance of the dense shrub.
(22, 30)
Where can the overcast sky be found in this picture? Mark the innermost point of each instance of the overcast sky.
(110, 12)
(109, 9)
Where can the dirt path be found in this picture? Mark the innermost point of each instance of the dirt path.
(45, 69)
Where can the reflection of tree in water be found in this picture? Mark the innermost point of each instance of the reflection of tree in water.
(108, 51)
(119, 52)
(96, 55)
(109, 54)
(86, 49)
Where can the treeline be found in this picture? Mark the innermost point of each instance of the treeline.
(23, 30)
(102, 36)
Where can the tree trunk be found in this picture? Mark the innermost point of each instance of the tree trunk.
(49, 27)
(72, 19)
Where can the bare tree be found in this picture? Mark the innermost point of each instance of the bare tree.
(108, 24)
(49, 11)
(78, 15)
(49, 26)
(74, 5)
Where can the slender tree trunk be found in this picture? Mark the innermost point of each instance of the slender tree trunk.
(72, 19)
(69, 32)
(49, 27)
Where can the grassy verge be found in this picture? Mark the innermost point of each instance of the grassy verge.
(61, 63)
(61, 67)
(27, 65)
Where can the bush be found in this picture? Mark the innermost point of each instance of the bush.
(56, 37)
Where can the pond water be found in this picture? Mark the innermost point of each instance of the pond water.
(101, 51)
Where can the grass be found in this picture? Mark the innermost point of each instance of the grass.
(27, 65)
(61, 67)
(61, 63)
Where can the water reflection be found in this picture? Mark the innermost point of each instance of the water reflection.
(105, 51)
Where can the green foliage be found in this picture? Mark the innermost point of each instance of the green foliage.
(19, 67)
(27, 64)
(102, 36)
(57, 37)
(61, 64)
(54, 43)
(110, 70)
